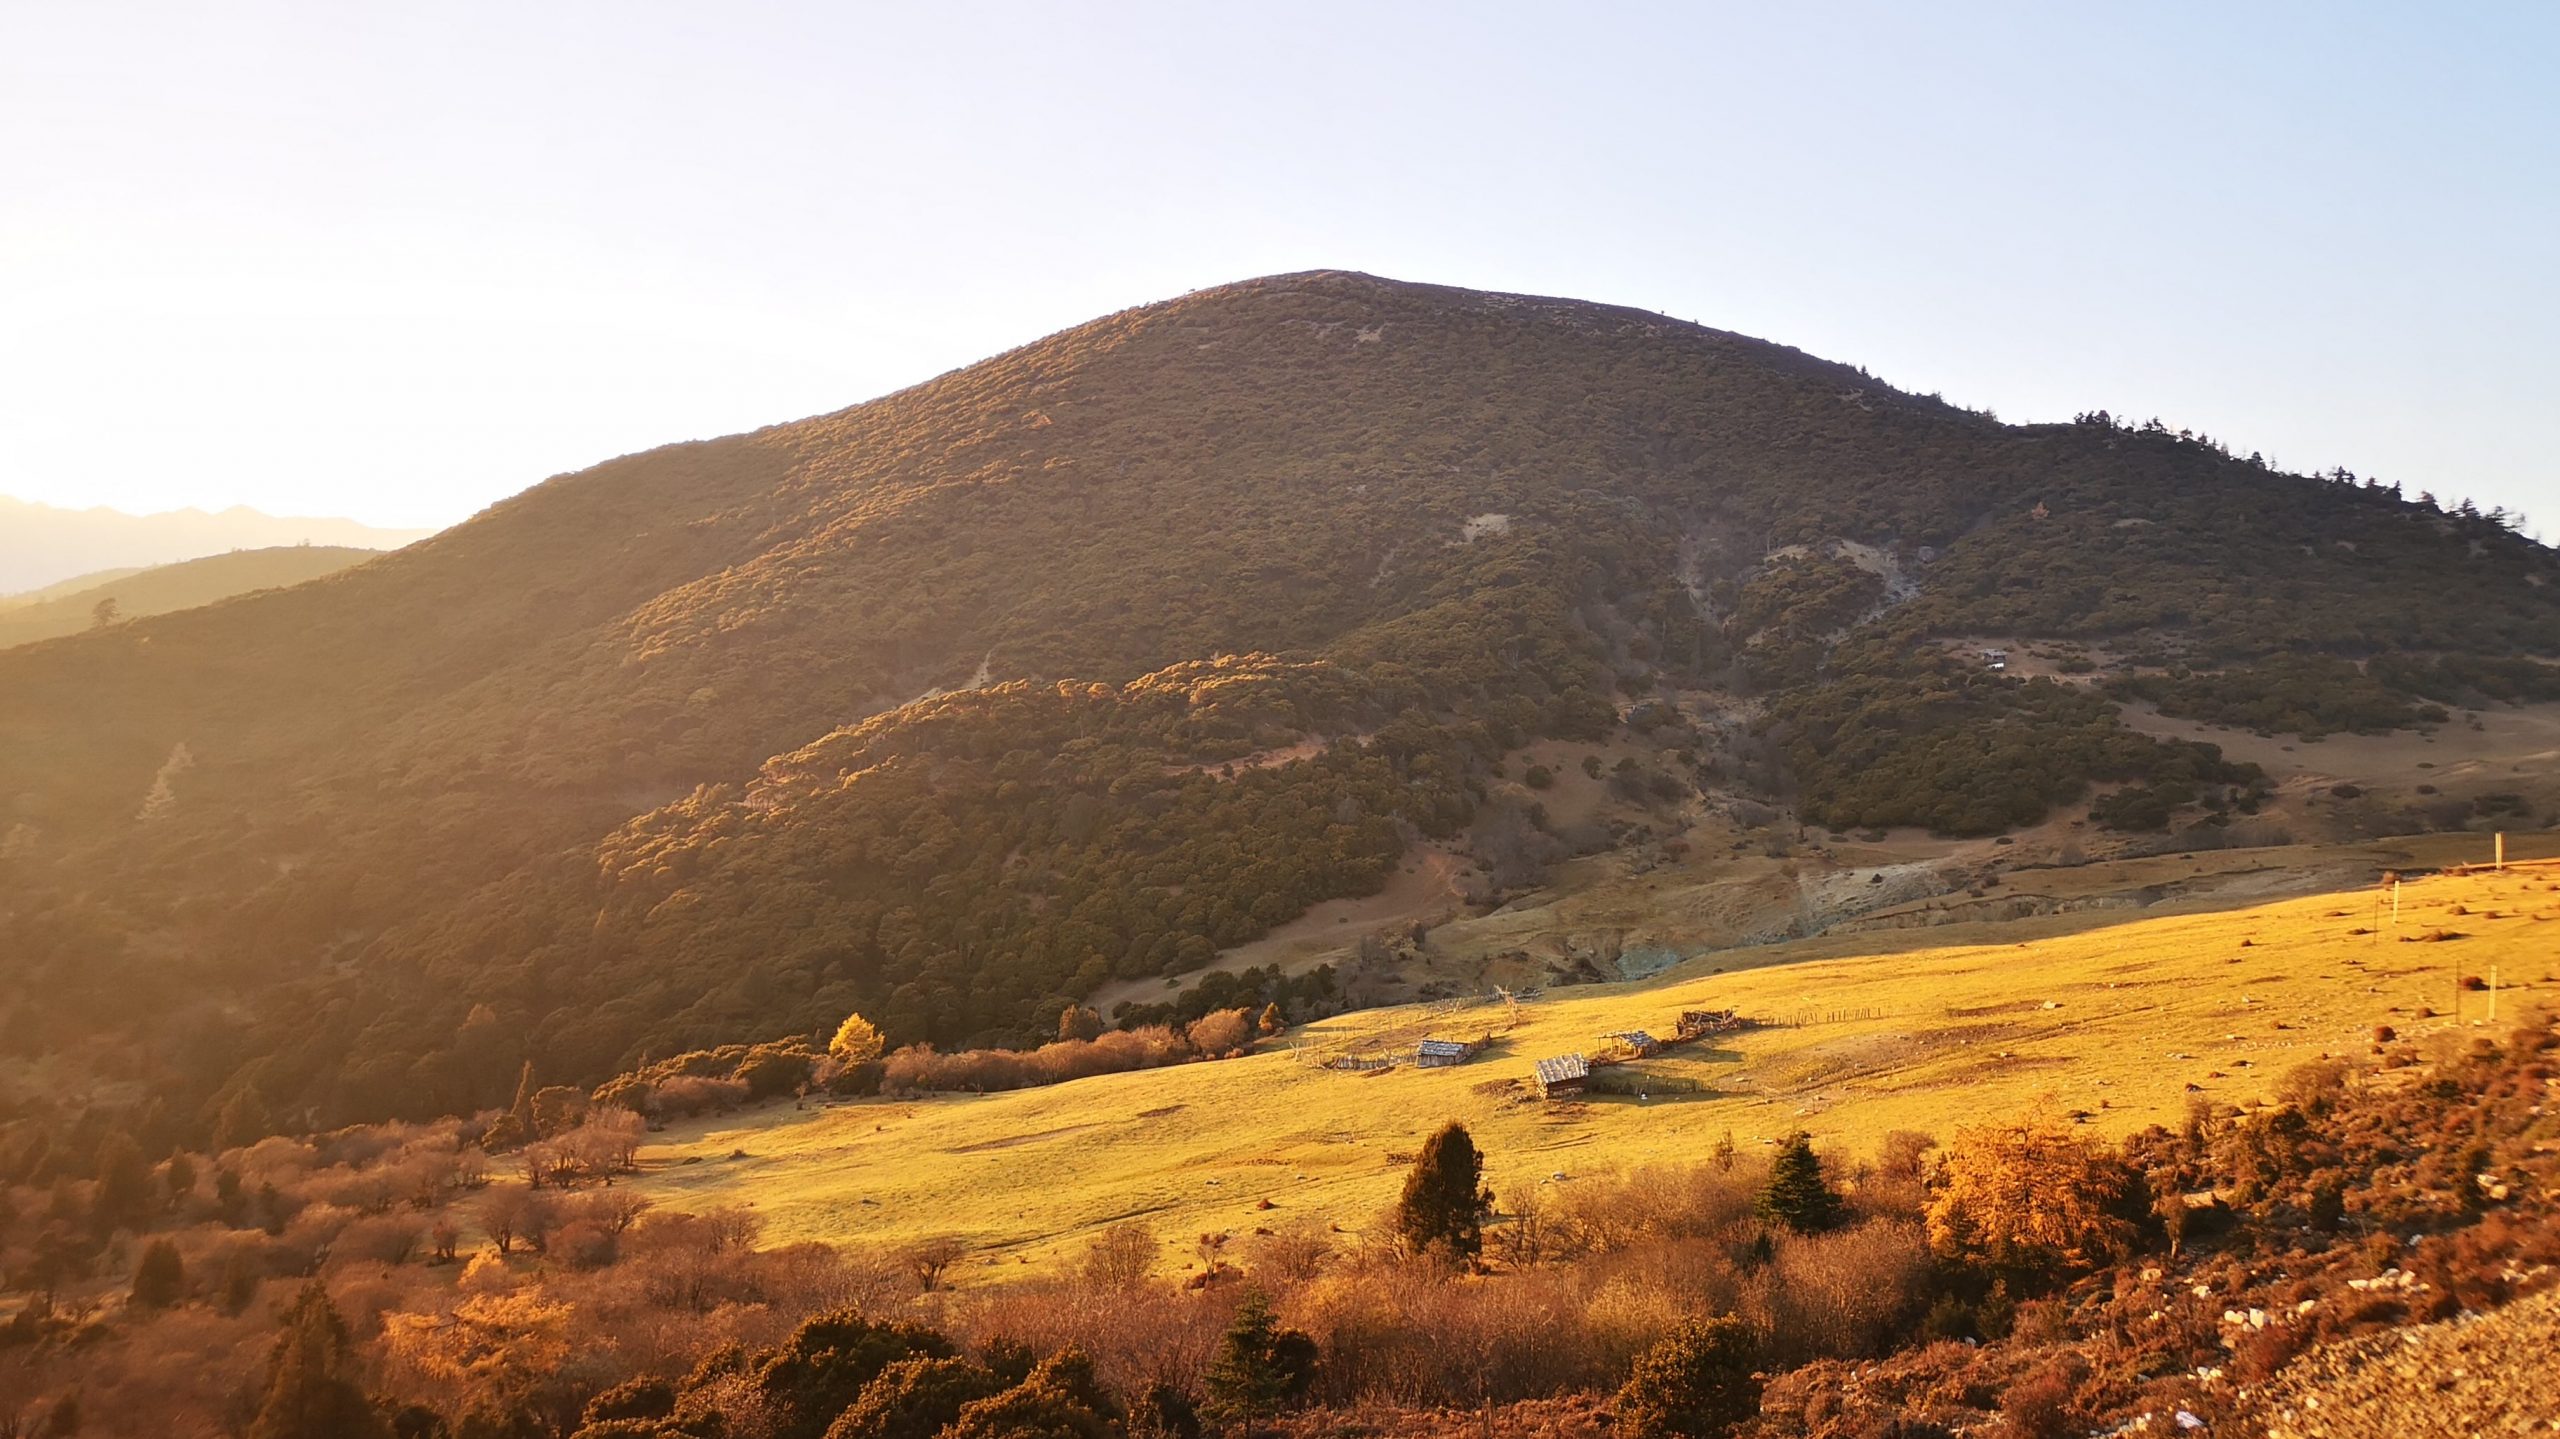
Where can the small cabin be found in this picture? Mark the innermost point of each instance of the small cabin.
(1636, 1040)
(1996, 661)
(1443, 1053)
(1562, 1077)
(1697, 1022)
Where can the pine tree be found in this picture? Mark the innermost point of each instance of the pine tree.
(179, 1177)
(309, 1391)
(243, 1120)
(160, 1279)
(1797, 1197)
(124, 1179)
(1445, 1199)
(1261, 1368)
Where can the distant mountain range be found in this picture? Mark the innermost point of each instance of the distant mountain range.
(42, 545)
(96, 600)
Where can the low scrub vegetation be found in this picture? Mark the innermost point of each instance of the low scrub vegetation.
(397, 1279)
(2307, 695)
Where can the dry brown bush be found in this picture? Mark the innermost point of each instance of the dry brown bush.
(1288, 1257)
(1222, 1032)
(583, 1244)
(1136, 1336)
(1122, 1257)
(690, 1094)
(379, 1239)
(1842, 1295)
(922, 1069)
(1409, 1334)
(1654, 1203)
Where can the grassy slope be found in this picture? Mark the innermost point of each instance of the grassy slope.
(71, 586)
(180, 586)
(2244, 995)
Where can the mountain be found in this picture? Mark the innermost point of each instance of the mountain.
(1085, 663)
(41, 545)
(73, 605)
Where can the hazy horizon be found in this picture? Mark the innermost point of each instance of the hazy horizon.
(395, 267)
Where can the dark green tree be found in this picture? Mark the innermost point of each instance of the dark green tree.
(1796, 1195)
(1445, 1200)
(160, 1279)
(243, 1119)
(643, 1398)
(310, 1389)
(822, 1369)
(179, 1177)
(1261, 1368)
(1696, 1384)
(915, 1399)
(124, 1180)
(1163, 1412)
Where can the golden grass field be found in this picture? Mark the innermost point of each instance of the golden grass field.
(1968, 1023)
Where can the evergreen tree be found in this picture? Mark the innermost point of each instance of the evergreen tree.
(124, 1180)
(1261, 1368)
(1797, 1197)
(1273, 1021)
(160, 1279)
(179, 1177)
(243, 1120)
(1697, 1384)
(1445, 1199)
(310, 1393)
(1163, 1412)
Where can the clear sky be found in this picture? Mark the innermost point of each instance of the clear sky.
(396, 262)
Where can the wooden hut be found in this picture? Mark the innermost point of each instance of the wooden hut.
(1562, 1077)
(1695, 1022)
(1636, 1040)
(1443, 1053)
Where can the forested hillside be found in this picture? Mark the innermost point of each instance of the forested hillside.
(660, 754)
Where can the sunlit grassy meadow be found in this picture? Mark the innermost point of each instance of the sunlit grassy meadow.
(2113, 1022)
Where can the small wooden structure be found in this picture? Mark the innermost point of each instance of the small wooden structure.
(1636, 1040)
(1695, 1023)
(1443, 1053)
(1995, 660)
(1562, 1076)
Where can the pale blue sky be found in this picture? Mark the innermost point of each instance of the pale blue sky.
(397, 262)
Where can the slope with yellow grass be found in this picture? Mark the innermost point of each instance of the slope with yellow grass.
(2120, 1025)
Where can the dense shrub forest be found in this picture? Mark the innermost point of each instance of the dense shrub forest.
(955, 705)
